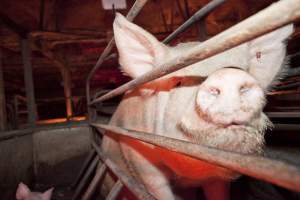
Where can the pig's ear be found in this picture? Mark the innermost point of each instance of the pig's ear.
(139, 51)
(47, 195)
(267, 55)
(22, 191)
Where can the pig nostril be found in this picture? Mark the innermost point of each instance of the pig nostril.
(214, 91)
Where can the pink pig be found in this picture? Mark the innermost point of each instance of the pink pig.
(24, 193)
(222, 111)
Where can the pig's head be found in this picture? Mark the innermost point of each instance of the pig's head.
(226, 110)
(24, 193)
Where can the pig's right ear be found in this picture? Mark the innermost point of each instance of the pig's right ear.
(139, 51)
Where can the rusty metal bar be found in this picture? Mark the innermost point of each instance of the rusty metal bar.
(273, 171)
(3, 116)
(136, 188)
(247, 30)
(113, 194)
(196, 17)
(133, 12)
(85, 178)
(97, 178)
(29, 85)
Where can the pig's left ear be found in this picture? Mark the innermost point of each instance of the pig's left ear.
(267, 55)
(139, 51)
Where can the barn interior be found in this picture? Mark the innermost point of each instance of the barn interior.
(48, 49)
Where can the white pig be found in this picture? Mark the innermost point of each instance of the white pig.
(24, 193)
(224, 111)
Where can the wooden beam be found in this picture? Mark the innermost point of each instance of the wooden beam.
(29, 87)
(3, 117)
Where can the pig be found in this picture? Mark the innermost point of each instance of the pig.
(217, 102)
(24, 193)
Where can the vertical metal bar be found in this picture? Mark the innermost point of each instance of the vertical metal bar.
(97, 178)
(29, 87)
(3, 117)
(66, 74)
(85, 178)
(113, 194)
(16, 111)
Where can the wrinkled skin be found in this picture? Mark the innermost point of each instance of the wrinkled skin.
(24, 193)
(223, 111)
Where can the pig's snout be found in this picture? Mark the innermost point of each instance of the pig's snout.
(229, 97)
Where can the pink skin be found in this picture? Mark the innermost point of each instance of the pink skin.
(24, 193)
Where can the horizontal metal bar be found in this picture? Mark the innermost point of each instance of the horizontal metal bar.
(287, 127)
(196, 17)
(283, 114)
(274, 171)
(263, 22)
(137, 189)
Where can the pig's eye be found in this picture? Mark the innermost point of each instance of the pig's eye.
(244, 89)
(214, 91)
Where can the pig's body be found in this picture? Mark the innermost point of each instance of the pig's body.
(180, 105)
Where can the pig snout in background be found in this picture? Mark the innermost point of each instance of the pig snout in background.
(224, 111)
(24, 193)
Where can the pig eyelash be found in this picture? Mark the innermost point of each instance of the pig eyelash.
(214, 91)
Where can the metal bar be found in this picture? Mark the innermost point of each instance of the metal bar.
(276, 172)
(85, 178)
(84, 167)
(29, 87)
(113, 194)
(288, 86)
(247, 30)
(294, 71)
(283, 114)
(97, 178)
(133, 12)
(135, 187)
(3, 117)
(197, 16)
